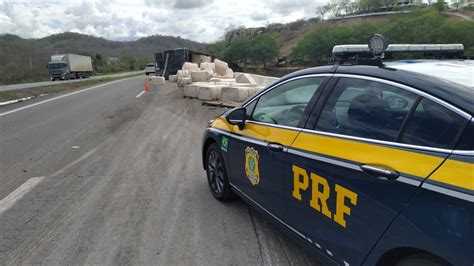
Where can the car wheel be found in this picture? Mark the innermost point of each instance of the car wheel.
(421, 260)
(217, 175)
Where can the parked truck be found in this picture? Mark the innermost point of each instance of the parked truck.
(69, 66)
(170, 61)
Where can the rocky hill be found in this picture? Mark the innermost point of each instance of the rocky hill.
(293, 32)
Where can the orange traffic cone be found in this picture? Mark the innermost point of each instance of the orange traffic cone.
(147, 86)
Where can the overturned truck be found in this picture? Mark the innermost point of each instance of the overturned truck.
(170, 61)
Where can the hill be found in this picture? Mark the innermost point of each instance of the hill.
(292, 33)
(24, 60)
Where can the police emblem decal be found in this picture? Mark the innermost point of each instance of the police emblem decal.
(251, 165)
(224, 143)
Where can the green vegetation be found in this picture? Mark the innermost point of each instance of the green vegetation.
(337, 8)
(424, 26)
(25, 60)
(125, 62)
(261, 49)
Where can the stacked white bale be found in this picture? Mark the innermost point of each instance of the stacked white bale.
(157, 80)
(198, 59)
(209, 92)
(192, 90)
(222, 80)
(184, 81)
(244, 78)
(229, 73)
(209, 67)
(247, 85)
(234, 94)
(262, 80)
(179, 74)
(223, 83)
(220, 67)
(173, 78)
(200, 76)
(190, 67)
(255, 90)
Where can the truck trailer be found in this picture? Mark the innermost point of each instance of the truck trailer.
(69, 66)
(170, 61)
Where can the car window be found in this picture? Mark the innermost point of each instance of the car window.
(467, 140)
(249, 109)
(285, 104)
(433, 125)
(367, 109)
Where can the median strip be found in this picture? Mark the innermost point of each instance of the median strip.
(59, 97)
(19, 95)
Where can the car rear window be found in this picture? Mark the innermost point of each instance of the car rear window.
(365, 108)
(433, 125)
(466, 142)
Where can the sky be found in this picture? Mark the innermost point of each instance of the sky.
(122, 20)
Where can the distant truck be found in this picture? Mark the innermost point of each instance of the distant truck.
(69, 66)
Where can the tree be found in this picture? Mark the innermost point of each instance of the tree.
(322, 11)
(216, 48)
(238, 50)
(264, 48)
(440, 5)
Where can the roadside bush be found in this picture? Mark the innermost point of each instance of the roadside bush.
(424, 26)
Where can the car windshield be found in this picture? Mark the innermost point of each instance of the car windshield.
(117, 148)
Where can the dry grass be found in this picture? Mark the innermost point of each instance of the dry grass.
(55, 89)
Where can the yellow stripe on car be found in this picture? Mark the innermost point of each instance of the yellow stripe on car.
(413, 163)
(455, 173)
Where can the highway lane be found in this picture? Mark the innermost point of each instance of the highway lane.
(105, 177)
(46, 83)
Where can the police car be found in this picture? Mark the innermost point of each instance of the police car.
(369, 163)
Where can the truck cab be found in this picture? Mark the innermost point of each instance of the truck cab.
(58, 70)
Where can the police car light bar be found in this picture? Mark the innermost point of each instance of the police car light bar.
(398, 48)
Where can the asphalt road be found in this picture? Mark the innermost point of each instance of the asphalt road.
(104, 177)
(47, 83)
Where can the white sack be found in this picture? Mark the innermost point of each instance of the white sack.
(200, 76)
(209, 92)
(221, 67)
(234, 94)
(173, 78)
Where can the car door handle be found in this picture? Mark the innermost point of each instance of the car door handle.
(379, 172)
(275, 147)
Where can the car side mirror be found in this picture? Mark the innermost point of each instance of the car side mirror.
(237, 117)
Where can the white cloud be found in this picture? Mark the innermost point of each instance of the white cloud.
(200, 20)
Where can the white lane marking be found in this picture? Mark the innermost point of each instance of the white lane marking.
(10, 200)
(16, 101)
(140, 94)
(62, 96)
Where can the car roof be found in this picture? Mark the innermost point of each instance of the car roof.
(459, 71)
(449, 91)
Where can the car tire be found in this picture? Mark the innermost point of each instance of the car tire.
(217, 177)
(421, 259)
